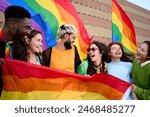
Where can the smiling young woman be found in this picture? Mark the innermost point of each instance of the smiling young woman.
(96, 60)
(141, 72)
(120, 65)
(33, 43)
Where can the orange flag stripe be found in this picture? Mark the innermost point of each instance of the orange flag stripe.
(58, 85)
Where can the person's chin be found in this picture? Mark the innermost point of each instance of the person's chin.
(138, 57)
(36, 51)
(118, 56)
(92, 59)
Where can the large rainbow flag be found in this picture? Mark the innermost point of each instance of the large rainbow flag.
(48, 16)
(122, 28)
(25, 81)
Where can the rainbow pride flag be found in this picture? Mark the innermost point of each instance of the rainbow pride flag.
(48, 16)
(122, 28)
(25, 81)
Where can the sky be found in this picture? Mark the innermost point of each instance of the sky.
(143, 3)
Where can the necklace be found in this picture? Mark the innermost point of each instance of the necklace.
(97, 67)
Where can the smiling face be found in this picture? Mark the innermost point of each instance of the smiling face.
(115, 52)
(19, 28)
(36, 43)
(94, 53)
(24, 26)
(142, 52)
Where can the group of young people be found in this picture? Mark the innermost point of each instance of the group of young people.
(18, 40)
(115, 61)
(25, 43)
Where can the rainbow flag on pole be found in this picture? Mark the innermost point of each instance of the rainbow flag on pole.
(122, 28)
(25, 81)
(48, 16)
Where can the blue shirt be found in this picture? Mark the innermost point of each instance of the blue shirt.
(122, 70)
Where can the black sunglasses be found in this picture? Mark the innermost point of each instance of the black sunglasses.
(92, 49)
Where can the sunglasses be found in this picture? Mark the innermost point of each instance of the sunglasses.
(92, 49)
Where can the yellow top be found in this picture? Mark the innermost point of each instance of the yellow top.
(63, 59)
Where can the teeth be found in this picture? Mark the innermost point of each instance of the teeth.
(117, 53)
(92, 55)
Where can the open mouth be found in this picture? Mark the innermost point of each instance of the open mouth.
(93, 55)
(137, 54)
(118, 53)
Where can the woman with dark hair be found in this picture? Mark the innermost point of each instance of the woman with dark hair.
(126, 57)
(96, 60)
(141, 72)
(34, 47)
(120, 64)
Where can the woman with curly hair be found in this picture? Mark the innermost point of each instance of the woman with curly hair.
(96, 60)
(120, 64)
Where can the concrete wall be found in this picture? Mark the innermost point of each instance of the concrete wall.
(96, 16)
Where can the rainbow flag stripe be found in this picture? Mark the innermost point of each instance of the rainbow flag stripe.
(122, 28)
(48, 16)
(35, 82)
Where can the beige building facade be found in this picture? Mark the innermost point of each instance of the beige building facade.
(96, 17)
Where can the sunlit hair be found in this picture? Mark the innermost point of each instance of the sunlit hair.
(148, 43)
(33, 33)
(127, 57)
(103, 50)
(66, 29)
